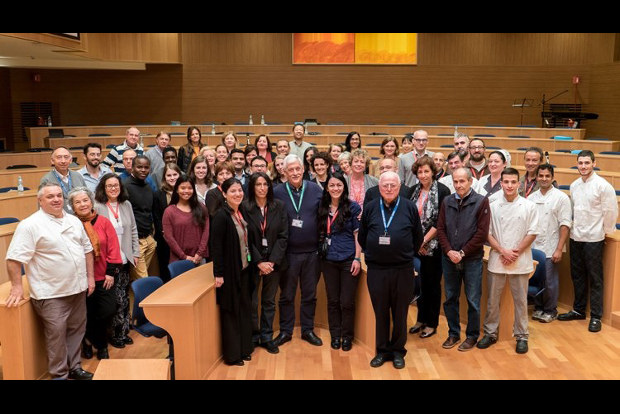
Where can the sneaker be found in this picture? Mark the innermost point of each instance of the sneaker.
(486, 342)
(537, 315)
(547, 317)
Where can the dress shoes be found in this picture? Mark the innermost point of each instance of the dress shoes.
(103, 353)
(336, 343)
(521, 346)
(398, 362)
(571, 316)
(238, 363)
(311, 338)
(379, 360)
(87, 350)
(427, 334)
(486, 342)
(117, 343)
(80, 375)
(450, 342)
(247, 357)
(347, 344)
(467, 344)
(595, 325)
(127, 340)
(270, 347)
(416, 328)
(282, 338)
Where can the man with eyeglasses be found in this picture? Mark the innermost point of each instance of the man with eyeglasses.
(258, 164)
(456, 161)
(63, 176)
(390, 234)
(420, 142)
(477, 162)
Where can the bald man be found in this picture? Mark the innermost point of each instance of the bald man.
(420, 142)
(115, 157)
(384, 165)
(62, 175)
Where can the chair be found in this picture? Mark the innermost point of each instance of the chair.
(518, 136)
(40, 149)
(484, 135)
(8, 220)
(536, 284)
(610, 152)
(447, 146)
(618, 192)
(180, 267)
(7, 189)
(562, 138)
(564, 187)
(18, 166)
(99, 135)
(141, 289)
(563, 150)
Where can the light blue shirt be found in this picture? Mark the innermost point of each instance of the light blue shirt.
(92, 182)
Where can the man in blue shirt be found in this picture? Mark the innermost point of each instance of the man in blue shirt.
(94, 169)
(301, 199)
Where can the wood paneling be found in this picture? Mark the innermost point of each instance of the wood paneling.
(134, 47)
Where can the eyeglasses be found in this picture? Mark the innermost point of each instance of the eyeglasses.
(420, 140)
(476, 148)
(112, 186)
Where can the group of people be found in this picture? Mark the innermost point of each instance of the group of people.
(273, 220)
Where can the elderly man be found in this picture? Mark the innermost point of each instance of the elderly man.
(57, 254)
(115, 157)
(301, 199)
(156, 155)
(390, 234)
(93, 170)
(456, 160)
(61, 175)
(462, 230)
(420, 141)
(298, 146)
(384, 165)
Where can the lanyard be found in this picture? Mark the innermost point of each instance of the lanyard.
(301, 197)
(62, 183)
(114, 213)
(386, 225)
(330, 222)
(421, 205)
(239, 218)
(528, 187)
(263, 222)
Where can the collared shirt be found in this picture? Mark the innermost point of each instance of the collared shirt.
(554, 211)
(595, 209)
(53, 252)
(92, 182)
(115, 157)
(298, 149)
(511, 222)
(407, 176)
(448, 182)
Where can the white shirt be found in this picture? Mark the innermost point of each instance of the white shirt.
(448, 182)
(595, 209)
(53, 252)
(554, 211)
(511, 222)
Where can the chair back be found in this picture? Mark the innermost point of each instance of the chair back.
(180, 267)
(141, 289)
(537, 281)
(8, 220)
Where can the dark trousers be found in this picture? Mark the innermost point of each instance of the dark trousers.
(236, 324)
(120, 321)
(263, 332)
(305, 268)
(390, 293)
(468, 273)
(163, 258)
(341, 287)
(100, 309)
(586, 268)
(429, 302)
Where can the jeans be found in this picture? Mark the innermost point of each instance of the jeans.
(548, 300)
(468, 272)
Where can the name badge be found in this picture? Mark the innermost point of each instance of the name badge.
(329, 241)
(384, 240)
(119, 230)
(298, 223)
(265, 244)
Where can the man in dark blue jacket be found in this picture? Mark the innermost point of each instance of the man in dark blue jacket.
(390, 234)
(462, 229)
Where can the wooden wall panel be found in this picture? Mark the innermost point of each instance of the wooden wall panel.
(5, 106)
(605, 100)
(134, 47)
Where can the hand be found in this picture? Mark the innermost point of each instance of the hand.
(509, 256)
(197, 259)
(91, 288)
(219, 281)
(423, 250)
(16, 295)
(108, 283)
(265, 268)
(557, 256)
(455, 256)
(355, 268)
(190, 258)
(135, 261)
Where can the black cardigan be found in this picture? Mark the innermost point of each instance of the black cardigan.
(276, 233)
(226, 255)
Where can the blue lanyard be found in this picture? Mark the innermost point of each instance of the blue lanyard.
(385, 226)
(301, 197)
(62, 183)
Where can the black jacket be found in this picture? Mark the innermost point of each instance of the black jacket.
(141, 197)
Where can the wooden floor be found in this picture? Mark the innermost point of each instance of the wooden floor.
(559, 350)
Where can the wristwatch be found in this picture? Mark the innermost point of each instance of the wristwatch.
(462, 253)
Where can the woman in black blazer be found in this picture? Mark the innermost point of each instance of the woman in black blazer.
(233, 275)
(428, 195)
(268, 228)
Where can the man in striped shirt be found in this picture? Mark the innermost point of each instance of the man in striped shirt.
(115, 157)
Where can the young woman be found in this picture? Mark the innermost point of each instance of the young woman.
(250, 152)
(112, 202)
(215, 198)
(428, 195)
(221, 153)
(263, 146)
(320, 164)
(492, 183)
(406, 145)
(339, 224)
(190, 150)
(161, 201)
(232, 272)
(209, 155)
(308, 171)
(230, 141)
(268, 230)
(334, 151)
(101, 304)
(277, 170)
(358, 182)
(201, 176)
(389, 149)
(186, 224)
(353, 141)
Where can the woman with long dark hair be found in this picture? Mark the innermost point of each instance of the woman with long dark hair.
(200, 174)
(190, 150)
(268, 230)
(353, 141)
(233, 274)
(339, 224)
(186, 224)
(308, 170)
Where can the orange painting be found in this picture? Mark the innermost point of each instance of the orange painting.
(386, 48)
(324, 48)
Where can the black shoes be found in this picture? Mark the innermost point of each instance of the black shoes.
(521, 346)
(282, 338)
(270, 347)
(311, 337)
(336, 343)
(347, 344)
(416, 328)
(103, 354)
(398, 361)
(80, 375)
(379, 360)
(127, 340)
(117, 343)
(486, 342)
(595, 325)
(87, 350)
(571, 316)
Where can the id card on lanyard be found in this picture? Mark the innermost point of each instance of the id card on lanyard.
(263, 227)
(297, 222)
(385, 239)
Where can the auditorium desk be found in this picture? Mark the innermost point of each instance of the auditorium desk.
(43, 159)
(18, 205)
(6, 235)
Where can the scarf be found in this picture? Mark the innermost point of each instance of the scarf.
(430, 212)
(91, 232)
